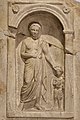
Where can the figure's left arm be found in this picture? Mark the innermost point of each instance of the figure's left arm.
(45, 48)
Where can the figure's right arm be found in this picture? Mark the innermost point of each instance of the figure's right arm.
(24, 54)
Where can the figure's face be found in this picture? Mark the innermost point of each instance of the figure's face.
(35, 32)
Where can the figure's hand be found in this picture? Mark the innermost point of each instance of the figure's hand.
(40, 56)
(58, 71)
(34, 53)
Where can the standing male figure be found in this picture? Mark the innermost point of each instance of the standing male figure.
(34, 52)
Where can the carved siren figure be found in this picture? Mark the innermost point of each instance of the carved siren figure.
(36, 55)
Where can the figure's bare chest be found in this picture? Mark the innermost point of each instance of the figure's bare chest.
(32, 45)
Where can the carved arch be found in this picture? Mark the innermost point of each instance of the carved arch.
(47, 8)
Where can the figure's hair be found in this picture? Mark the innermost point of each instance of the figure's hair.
(37, 23)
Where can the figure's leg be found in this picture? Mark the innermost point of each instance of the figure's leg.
(60, 99)
(21, 105)
(28, 73)
(27, 90)
(55, 99)
(60, 104)
(39, 79)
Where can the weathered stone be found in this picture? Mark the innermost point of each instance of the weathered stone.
(39, 62)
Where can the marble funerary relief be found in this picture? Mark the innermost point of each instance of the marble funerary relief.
(40, 61)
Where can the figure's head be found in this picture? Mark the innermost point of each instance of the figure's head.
(35, 30)
(59, 71)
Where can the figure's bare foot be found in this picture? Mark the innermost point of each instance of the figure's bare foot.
(38, 107)
(21, 106)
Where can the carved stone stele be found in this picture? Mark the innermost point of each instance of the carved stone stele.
(39, 51)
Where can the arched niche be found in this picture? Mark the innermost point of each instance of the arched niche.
(51, 27)
(40, 7)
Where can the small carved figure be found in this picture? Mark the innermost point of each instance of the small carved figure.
(58, 84)
(35, 53)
